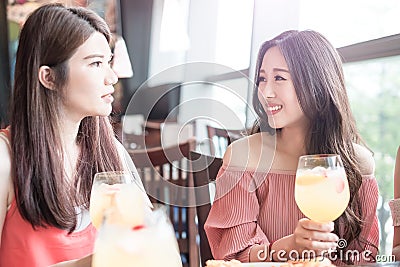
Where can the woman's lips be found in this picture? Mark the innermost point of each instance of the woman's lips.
(273, 109)
(108, 98)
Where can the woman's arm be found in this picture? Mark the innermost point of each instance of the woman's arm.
(231, 226)
(368, 196)
(396, 235)
(5, 181)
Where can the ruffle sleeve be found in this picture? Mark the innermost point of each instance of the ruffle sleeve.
(368, 194)
(394, 205)
(231, 226)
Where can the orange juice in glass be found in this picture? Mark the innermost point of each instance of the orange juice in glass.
(117, 196)
(154, 244)
(321, 187)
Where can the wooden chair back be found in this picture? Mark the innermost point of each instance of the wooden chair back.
(165, 174)
(220, 139)
(205, 169)
(142, 141)
(149, 137)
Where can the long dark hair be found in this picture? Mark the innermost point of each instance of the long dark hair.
(50, 36)
(317, 74)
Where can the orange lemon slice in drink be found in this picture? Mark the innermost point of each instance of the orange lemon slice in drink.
(310, 179)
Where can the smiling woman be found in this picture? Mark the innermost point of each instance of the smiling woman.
(302, 106)
(60, 136)
(276, 90)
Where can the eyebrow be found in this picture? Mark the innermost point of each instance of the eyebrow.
(93, 56)
(97, 55)
(276, 69)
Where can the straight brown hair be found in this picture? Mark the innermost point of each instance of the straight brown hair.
(50, 36)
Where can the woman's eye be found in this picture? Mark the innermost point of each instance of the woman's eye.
(279, 78)
(96, 64)
(261, 80)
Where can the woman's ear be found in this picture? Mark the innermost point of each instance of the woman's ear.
(46, 77)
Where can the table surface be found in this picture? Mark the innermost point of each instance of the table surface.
(379, 264)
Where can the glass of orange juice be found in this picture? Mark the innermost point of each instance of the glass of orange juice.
(152, 244)
(321, 187)
(118, 197)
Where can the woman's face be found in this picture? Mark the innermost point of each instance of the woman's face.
(90, 80)
(276, 92)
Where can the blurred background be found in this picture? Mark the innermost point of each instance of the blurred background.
(157, 41)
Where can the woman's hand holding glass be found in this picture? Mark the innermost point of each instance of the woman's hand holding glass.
(314, 236)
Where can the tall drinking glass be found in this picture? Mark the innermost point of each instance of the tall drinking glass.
(321, 187)
(154, 244)
(115, 195)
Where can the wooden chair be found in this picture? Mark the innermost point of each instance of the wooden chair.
(141, 141)
(166, 177)
(149, 137)
(205, 169)
(220, 139)
(134, 133)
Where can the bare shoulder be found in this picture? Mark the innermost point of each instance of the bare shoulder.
(120, 147)
(5, 167)
(398, 159)
(6, 189)
(397, 166)
(124, 155)
(396, 176)
(248, 152)
(365, 159)
(237, 152)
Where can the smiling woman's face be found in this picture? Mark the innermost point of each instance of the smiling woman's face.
(90, 80)
(277, 93)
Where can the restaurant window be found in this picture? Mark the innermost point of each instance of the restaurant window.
(366, 33)
(347, 22)
(233, 42)
(232, 49)
(373, 91)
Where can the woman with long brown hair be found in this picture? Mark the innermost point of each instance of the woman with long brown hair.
(302, 106)
(59, 136)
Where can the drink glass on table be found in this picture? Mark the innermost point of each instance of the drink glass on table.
(321, 187)
(153, 244)
(118, 197)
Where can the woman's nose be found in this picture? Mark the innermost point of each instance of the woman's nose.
(267, 90)
(111, 78)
